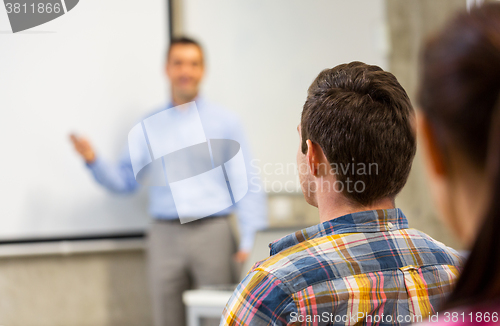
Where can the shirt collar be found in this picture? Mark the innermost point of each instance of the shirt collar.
(198, 99)
(359, 222)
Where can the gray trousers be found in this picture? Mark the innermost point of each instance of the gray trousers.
(184, 256)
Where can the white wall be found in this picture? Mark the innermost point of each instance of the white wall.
(95, 71)
(263, 55)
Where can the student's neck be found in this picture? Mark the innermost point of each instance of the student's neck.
(333, 205)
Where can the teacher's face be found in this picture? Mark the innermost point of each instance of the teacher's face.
(185, 70)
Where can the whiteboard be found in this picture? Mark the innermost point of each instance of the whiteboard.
(262, 56)
(95, 71)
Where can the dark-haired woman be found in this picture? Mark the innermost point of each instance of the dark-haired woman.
(459, 125)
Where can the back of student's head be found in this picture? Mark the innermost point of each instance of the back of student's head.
(459, 94)
(364, 122)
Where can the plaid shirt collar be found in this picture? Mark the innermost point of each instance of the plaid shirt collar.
(360, 222)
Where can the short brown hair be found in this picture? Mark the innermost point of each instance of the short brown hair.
(183, 40)
(360, 114)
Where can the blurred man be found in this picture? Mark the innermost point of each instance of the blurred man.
(196, 253)
(361, 264)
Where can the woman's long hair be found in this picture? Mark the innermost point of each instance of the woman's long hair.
(459, 93)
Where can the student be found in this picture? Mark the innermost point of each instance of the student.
(460, 124)
(361, 264)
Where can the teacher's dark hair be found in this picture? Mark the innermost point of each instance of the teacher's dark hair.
(183, 40)
(459, 93)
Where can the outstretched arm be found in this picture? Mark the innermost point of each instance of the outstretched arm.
(116, 178)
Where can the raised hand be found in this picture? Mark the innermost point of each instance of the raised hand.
(83, 148)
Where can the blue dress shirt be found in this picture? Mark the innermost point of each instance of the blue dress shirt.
(217, 123)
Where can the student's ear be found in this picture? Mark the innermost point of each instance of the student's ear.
(316, 159)
(311, 157)
(433, 155)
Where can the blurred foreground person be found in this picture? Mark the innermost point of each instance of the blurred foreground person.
(198, 253)
(361, 264)
(460, 128)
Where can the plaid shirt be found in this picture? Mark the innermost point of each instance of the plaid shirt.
(362, 268)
